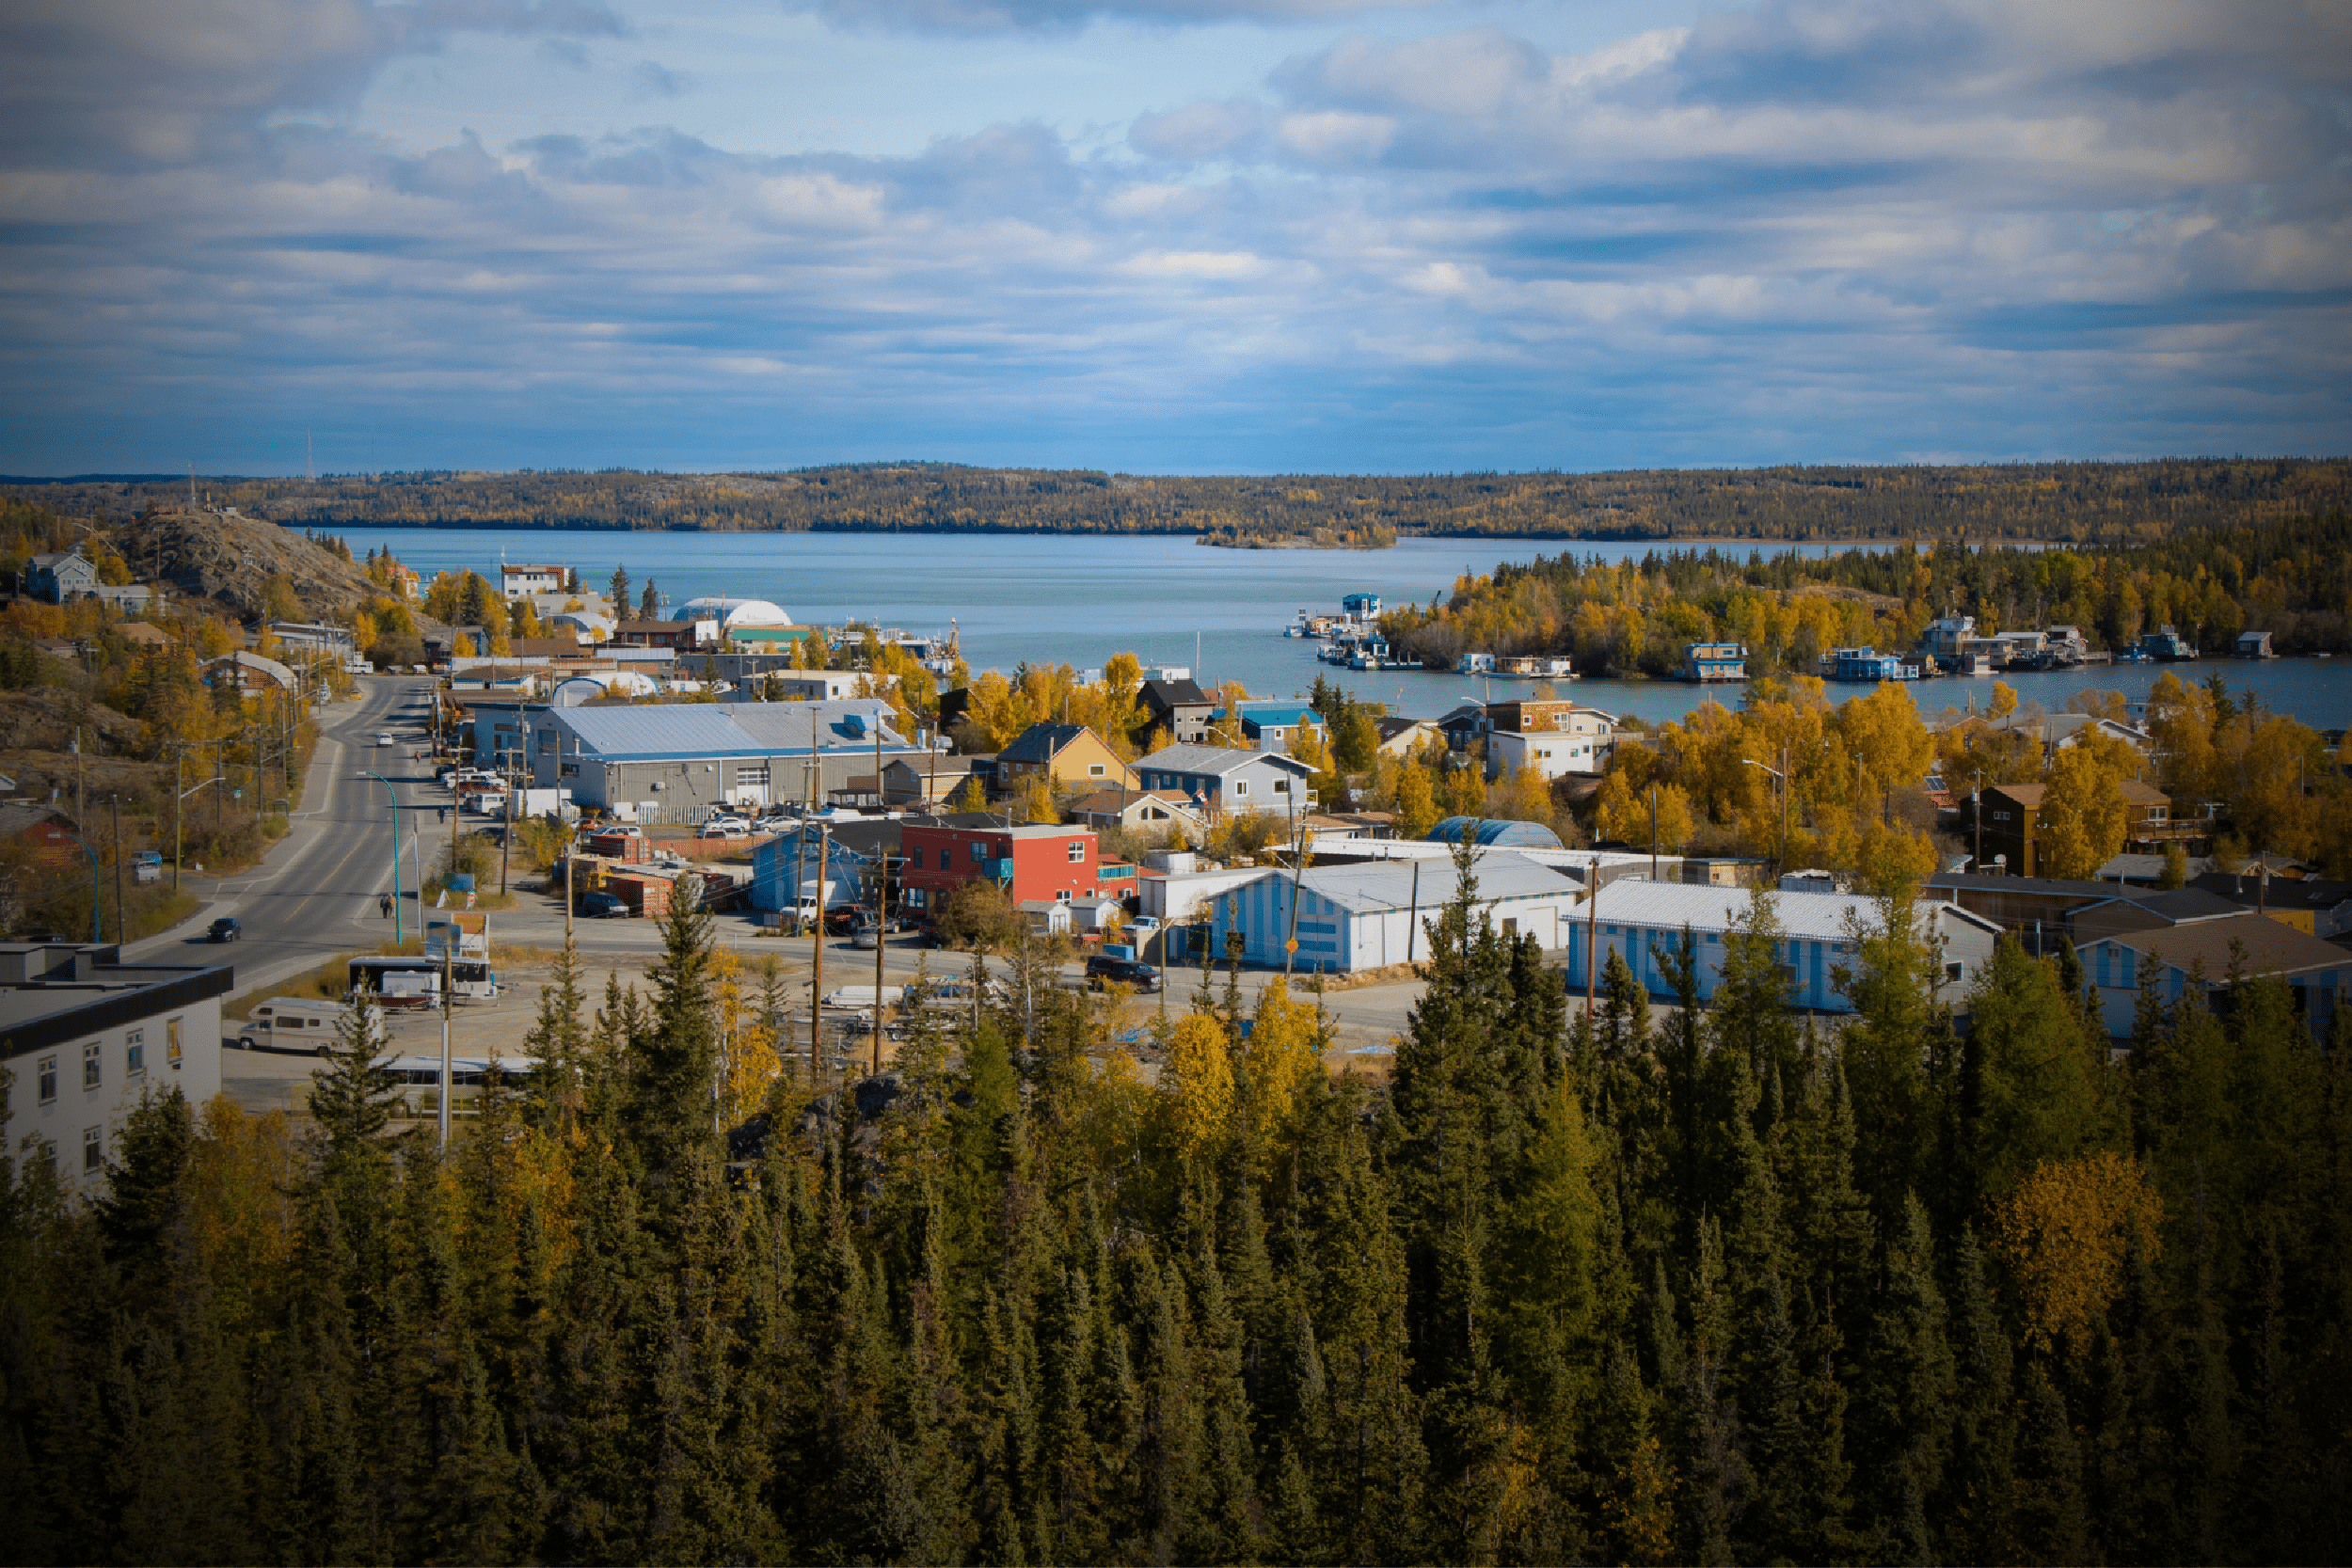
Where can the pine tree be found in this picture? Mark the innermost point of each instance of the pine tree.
(674, 1061)
(351, 1096)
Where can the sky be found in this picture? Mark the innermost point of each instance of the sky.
(1185, 236)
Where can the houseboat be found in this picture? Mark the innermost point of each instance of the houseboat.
(1534, 667)
(1475, 664)
(2255, 644)
(2166, 646)
(1867, 664)
(1715, 661)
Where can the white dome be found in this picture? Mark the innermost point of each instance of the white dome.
(733, 612)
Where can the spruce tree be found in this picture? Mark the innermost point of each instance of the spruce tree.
(674, 1059)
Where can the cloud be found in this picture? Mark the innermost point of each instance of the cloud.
(1815, 231)
(114, 83)
(985, 16)
(1199, 131)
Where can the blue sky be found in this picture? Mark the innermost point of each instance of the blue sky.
(1170, 235)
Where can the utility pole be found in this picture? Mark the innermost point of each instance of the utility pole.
(569, 849)
(1592, 938)
(1977, 805)
(115, 800)
(817, 959)
(1653, 832)
(446, 1085)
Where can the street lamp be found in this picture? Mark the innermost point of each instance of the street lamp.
(395, 795)
(96, 930)
(175, 826)
(1780, 774)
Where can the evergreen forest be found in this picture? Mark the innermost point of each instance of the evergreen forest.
(1950, 1279)
(2108, 502)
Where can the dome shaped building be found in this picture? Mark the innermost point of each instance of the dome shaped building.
(732, 611)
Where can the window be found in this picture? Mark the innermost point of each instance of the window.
(980, 851)
(1095, 770)
(914, 857)
(135, 1052)
(89, 1066)
(48, 1078)
(1077, 851)
(93, 1149)
(1951, 971)
(1240, 787)
(171, 1042)
(752, 778)
(1281, 786)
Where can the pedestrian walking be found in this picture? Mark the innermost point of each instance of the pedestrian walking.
(384, 905)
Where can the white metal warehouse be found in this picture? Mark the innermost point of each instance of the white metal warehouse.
(1353, 917)
(1637, 917)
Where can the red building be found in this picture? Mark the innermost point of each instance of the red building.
(1034, 859)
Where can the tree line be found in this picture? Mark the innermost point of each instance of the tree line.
(1718, 1282)
(2291, 577)
(2101, 501)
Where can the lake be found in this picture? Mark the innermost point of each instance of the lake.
(1078, 598)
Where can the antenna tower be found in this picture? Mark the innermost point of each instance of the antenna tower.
(310, 467)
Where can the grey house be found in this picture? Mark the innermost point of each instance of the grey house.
(59, 575)
(1218, 780)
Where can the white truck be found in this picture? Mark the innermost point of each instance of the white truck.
(863, 997)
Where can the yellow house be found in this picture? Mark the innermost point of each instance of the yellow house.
(1072, 756)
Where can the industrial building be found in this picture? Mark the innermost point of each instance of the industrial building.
(1362, 916)
(1636, 918)
(671, 762)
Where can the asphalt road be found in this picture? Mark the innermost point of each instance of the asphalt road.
(316, 892)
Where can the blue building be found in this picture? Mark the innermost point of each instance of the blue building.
(1362, 607)
(788, 863)
(1637, 919)
(1868, 664)
(1714, 662)
(1495, 832)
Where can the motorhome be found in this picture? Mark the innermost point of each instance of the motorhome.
(296, 1023)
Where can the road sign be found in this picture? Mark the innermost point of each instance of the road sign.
(1291, 946)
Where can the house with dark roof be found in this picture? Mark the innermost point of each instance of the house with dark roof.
(1068, 756)
(1178, 706)
(2211, 958)
(2312, 905)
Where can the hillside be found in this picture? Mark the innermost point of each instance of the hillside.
(232, 559)
(2100, 502)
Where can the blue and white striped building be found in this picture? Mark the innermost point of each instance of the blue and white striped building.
(1353, 917)
(1637, 918)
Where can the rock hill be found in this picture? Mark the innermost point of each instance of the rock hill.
(230, 557)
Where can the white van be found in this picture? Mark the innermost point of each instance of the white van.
(296, 1023)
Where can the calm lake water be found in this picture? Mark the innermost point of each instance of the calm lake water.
(1078, 598)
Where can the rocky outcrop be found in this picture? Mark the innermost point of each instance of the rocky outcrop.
(229, 558)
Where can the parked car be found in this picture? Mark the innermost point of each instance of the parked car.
(868, 937)
(602, 906)
(224, 929)
(720, 827)
(1103, 970)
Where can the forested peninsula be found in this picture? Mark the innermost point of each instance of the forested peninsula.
(2109, 502)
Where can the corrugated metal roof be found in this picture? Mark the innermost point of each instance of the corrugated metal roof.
(1671, 905)
(1497, 830)
(665, 730)
(1377, 885)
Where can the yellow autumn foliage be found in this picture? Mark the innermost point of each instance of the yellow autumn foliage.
(1199, 1083)
(2066, 1230)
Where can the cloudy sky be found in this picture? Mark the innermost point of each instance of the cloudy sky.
(1174, 235)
